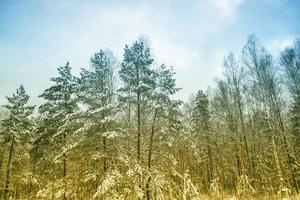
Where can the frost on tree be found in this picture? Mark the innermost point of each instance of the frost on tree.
(16, 129)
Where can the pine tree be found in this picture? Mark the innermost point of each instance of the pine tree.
(15, 128)
(137, 77)
(85, 143)
(201, 119)
(165, 86)
(96, 94)
(56, 115)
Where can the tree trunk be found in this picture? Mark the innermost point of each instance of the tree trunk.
(105, 167)
(7, 178)
(237, 156)
(33, 170)
(2, 152)
(148, 191)
(289, 158)
(138, 117)
(210, 160)
(239, 102)
(64, 170)
(277, 163)
(244, 135)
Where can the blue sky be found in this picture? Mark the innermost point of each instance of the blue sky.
(193, 36)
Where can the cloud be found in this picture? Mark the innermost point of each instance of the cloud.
(277, 45)
(195, 68)
(227, 7)
(173, 54)
(192, 37)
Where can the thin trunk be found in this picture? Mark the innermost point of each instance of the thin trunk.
(244, 134)
(210, 161)
(7, 178)
(242, 123)
(277, 163)
(237, 156)
(290, 164)
(138, 118)
(105, 167)
(104, 138)
(289, 158)
(129, 113)
(138, 95)
(222, 168)
(33, 170)
(151, 138)
(139, 129)
(237, 151)
(148, 191)
(64, 170)
(1, 160)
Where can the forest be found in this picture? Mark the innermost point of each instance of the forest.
(116, 131)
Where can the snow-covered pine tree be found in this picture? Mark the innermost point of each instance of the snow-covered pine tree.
(96, 96)
(2, 143)
(201, 121)
(165, 86)
(15, 128)
(138, 82)
(56, 114)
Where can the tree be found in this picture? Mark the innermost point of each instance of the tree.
(97, 88)
(201, 119)
(290, 61)
(15, 128)
(91, 140)
(234, 74)
(3, 115)
(137, 77)
(165, 86)
(264, 77)
(56, 112)
(96, 96)
(225, 104)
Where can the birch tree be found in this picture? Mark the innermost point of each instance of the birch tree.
(290, 61)
(264, 77)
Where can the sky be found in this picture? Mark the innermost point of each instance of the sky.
(193, 36)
